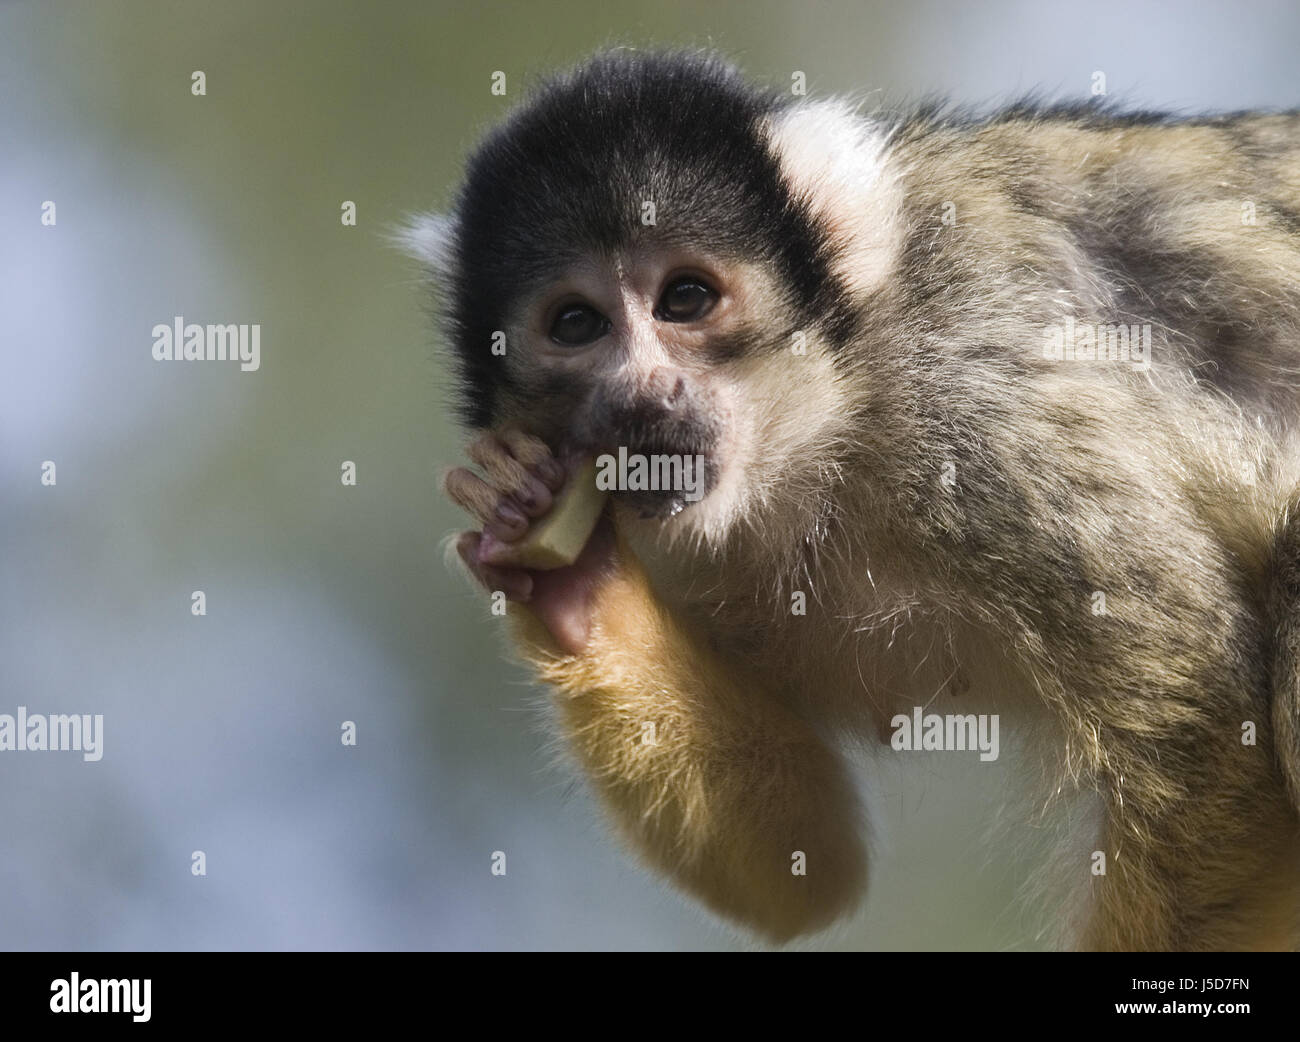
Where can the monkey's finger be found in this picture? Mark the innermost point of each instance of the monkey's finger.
(508, 521)
(515, 583)
(536, 455)
(500, 515)
(471, 493)
(467, 551)
(508, 475)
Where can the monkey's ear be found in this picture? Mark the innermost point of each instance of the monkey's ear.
(430, 239)
(837, 162)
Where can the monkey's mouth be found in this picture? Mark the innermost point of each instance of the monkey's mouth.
(657, 482)
(654, 506)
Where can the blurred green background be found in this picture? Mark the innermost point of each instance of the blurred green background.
(327, 603)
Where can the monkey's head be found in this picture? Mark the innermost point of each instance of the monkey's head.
(652, 255)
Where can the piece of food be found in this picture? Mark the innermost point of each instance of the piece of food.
(558, 538)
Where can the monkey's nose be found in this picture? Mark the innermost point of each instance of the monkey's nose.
(667, 386)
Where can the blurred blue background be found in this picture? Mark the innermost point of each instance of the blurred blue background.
(328, 603)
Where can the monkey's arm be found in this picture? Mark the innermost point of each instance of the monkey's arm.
(707, 775)
(705, 772)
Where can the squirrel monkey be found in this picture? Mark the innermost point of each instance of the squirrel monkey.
(994, 409)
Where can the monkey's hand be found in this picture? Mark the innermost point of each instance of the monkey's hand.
(518, 490)
(705, 772)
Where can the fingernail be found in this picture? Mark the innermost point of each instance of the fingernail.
(552, 473)
(510, 516)
(529, 494)
(534, 497)
(490, 548)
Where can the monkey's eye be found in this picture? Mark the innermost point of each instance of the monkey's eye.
(685, 300)
(578, 325)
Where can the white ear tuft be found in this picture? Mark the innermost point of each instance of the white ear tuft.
(428, 238)
(838, 162)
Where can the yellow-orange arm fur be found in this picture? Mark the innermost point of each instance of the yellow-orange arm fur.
(705, 772)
